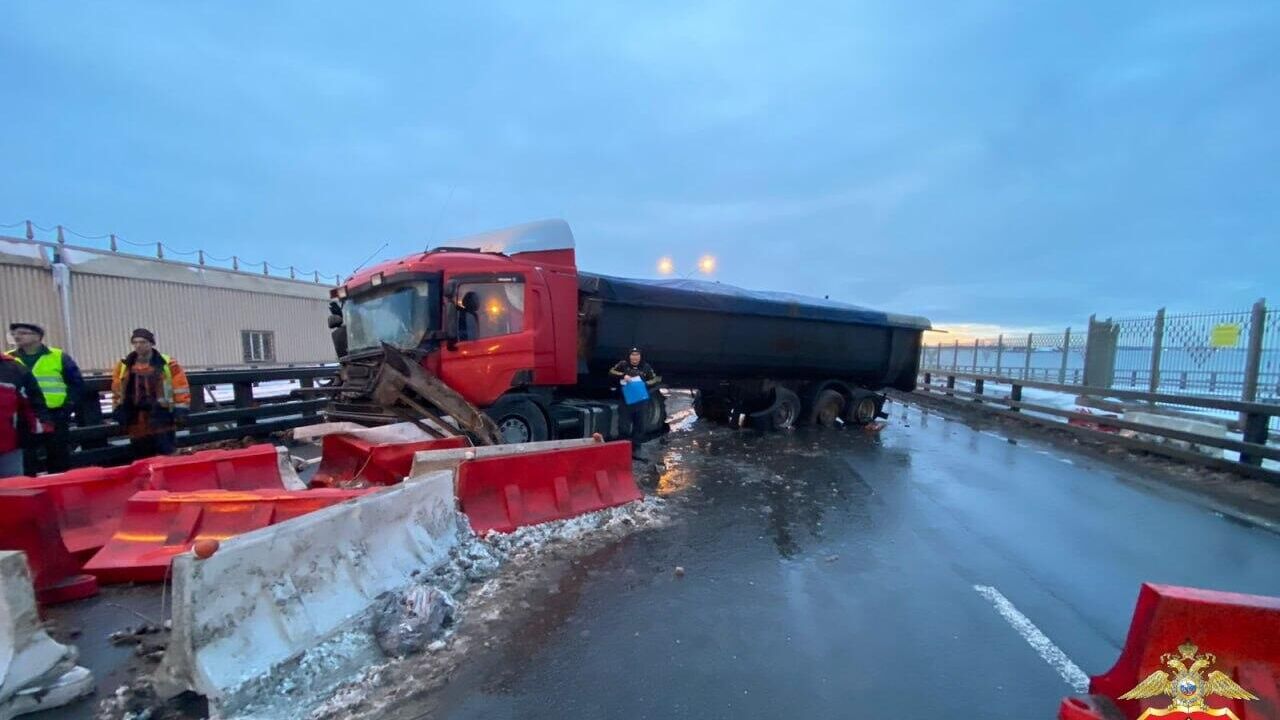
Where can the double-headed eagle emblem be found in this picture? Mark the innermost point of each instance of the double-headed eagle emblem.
(1188, 686)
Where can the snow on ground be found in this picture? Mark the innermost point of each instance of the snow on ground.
(486, 577)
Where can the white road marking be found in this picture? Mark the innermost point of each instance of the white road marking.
(1038, 641)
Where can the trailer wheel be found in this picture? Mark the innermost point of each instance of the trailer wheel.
(827, 408)
(782, 414)
(863, 411)
(519, 421)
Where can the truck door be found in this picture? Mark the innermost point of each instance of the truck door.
(492, 337)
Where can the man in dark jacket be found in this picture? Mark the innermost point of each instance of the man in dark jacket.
(627, 371)
(21, 411)
(62, 386)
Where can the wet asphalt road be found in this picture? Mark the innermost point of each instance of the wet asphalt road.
(832, 574)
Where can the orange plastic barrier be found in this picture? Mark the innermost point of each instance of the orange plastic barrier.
(501, 494)
(89, 502)
(348, 461)
(1241, 631)
(253, 468)
(159, 525)
(28, 522)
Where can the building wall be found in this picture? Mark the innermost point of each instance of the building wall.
(197, 313)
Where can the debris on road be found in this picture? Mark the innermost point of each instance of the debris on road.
(408, 621)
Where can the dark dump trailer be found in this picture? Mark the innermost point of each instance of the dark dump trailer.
(778, 358)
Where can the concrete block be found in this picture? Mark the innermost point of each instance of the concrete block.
(265, 598)
(36, 673)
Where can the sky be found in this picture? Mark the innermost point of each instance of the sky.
(986, 164)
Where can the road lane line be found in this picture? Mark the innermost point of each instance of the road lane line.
(1038, 641)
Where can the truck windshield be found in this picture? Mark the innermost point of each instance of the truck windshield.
(399, 315)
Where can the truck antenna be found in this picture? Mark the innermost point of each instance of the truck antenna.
(372, 256)
(440, 216)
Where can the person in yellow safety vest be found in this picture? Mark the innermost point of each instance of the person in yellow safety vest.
(150, 396)
(62, 386)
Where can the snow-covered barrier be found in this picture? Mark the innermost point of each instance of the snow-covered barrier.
(1169, 422)
(245, 618)
(36, 673)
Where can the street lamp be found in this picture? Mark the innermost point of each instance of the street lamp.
(707, 264)
(666, 266)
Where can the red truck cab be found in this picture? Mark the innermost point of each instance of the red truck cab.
(489, 314)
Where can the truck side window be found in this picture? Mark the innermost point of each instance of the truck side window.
(490, 309)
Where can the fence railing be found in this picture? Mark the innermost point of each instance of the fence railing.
(1254, 452)
(225, 405)
(1228, 355)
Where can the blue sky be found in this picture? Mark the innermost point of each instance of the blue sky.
(1011, 163)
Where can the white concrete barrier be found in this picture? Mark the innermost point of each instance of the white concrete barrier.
(244, 617)
(396, 433)
(36, 672)
(428, 462)
(1169, 422)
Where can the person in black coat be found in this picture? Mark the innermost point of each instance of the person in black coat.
(635, 367)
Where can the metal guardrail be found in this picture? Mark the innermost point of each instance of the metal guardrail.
(210, 420)
(1253, 448)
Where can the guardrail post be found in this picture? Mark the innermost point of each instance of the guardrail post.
(1066, 347)
(975, 355)
(1015, 395)
(1157, 348)
(955, 356)
(1255, 431)
(977, 388)
(197, 405)
(307, 382)
(1026, 365)
(1253, 357)
(999, 352)
(928, 378)
(951, 384)
(90, 414)
(244, 399)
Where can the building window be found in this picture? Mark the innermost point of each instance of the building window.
(258, 345)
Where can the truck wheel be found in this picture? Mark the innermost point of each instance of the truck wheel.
(782, 415)
(519, 421)
(657, 420)
(827, 409)
(863, 410)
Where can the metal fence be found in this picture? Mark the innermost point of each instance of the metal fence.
(1222, 354)
(1052, 357)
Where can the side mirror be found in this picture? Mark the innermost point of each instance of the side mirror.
(335, 321)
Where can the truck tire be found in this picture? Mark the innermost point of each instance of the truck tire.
(827, 408)
(519, 421)
(656, 422)
(783, 414)
(713, 408)
(863, 409)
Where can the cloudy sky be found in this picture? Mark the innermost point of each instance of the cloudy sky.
(1017, 164)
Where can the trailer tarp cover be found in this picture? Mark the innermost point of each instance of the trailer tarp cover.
(718, 297)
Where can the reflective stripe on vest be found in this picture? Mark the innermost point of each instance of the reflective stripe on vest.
(48, 372)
